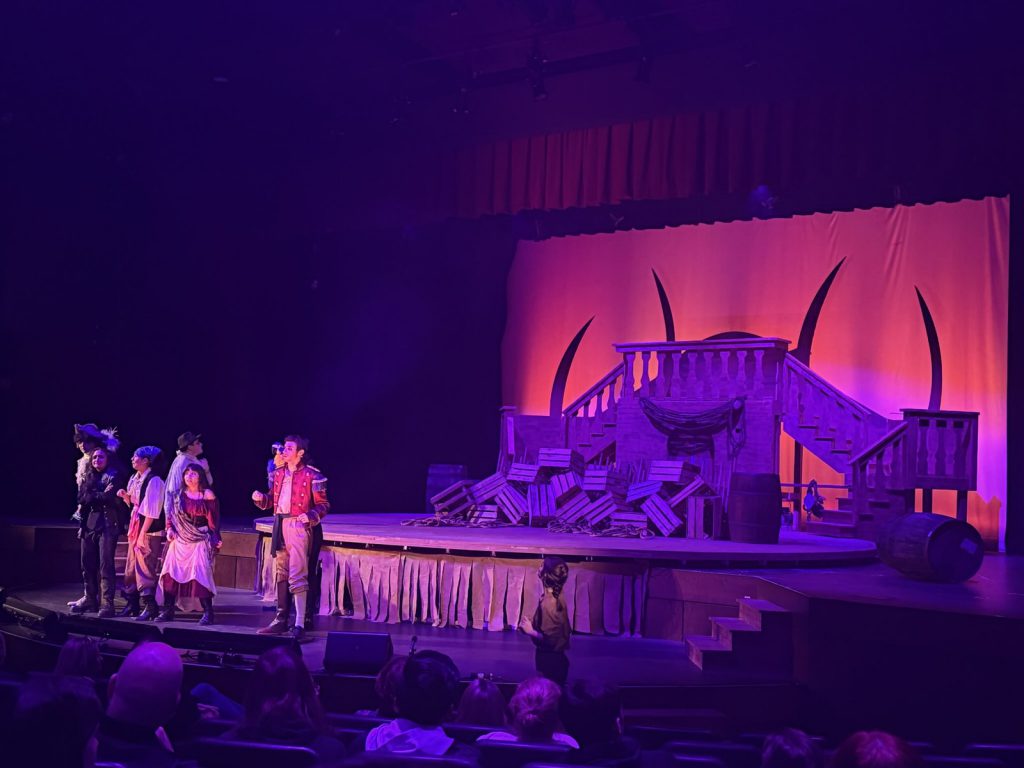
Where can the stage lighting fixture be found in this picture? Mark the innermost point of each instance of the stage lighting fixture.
(29, 614)
(227, 643)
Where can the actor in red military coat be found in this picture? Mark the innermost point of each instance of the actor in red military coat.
(299, 502)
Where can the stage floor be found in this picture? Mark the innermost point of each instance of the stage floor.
(507, 655)
(385, 530)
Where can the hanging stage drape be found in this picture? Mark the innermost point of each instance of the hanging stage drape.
(945, 141)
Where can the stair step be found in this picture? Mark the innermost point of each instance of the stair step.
(836, 516)
(845, 502)
(837, 530)
(726, 629)
(763, 614)
(705, 651)
(842, 450)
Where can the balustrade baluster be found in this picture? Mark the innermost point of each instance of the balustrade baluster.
(645, 374)
(741, 371)
(628, 386)
(724, 377)
(758, 371)
(599, 404)
(691, 374)
(662, 388)
(677, 382)
(947, 449)
(709, 384)
(929, 434)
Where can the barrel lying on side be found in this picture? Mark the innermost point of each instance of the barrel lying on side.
(932, 547)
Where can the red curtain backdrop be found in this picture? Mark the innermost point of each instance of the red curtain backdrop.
(760, 276)
(938, 140)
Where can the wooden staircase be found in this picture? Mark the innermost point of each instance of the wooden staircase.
(758, 642)
(884, 461)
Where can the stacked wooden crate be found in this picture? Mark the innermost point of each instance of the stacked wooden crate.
(560, 487)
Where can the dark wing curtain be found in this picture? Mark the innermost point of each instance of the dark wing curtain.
(832, 151)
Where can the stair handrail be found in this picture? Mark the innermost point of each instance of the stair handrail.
(880, 444)
(854, 405)
(603, 382)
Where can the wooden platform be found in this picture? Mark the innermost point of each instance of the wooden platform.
(384, 530)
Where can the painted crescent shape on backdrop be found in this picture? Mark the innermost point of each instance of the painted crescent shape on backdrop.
(666, 309)
(935, 396)
(802, 351)
(562, 374)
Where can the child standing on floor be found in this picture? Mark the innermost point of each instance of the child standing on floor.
(549, 627)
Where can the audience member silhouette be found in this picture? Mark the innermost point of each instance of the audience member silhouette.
(482, 703)
(533, 715)
(425, 698)
(790, 748)
(874, 749)
(55, 723)
(283, 707)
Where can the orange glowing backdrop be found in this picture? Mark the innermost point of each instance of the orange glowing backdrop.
(760, 276)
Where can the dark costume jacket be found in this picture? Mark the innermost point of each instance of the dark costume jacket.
(100, 507)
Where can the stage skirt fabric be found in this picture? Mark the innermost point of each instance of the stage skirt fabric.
(190, 564)
(489, 593)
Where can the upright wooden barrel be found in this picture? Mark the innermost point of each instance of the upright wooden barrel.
(440, 476)
(755, 508)
(932, 547)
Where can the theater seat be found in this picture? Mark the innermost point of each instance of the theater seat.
(381, 759)
(468, 734)
(945, 761)
(220, 753)
(695, 761)
(1012, 755)
(512, 754)
(654, 737)
(732, 755)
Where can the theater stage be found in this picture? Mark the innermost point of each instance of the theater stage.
(385, 530)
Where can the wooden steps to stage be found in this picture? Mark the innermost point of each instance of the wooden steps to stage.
(758, 642)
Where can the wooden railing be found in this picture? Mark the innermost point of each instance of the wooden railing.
(811, 402)
(943, 449)
(880, 466)
(702, 370)
(599, 398)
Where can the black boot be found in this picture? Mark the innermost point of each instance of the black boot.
(132, 607)
(280, 623)
(207, 618)
(151, 611)
(167, 614)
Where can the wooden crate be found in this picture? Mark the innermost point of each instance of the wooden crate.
(699, 507)
(541, 502)
(566, 484)
(488, 488)
(604, 479)
(600, 509)
(523, 473)
(561, 458)
(453, 500)
(673, 471)
(640, 491)
(629, 516)
(664, 519)
(572, 508)
(511, 503)
(696, 487)
(483, 513)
